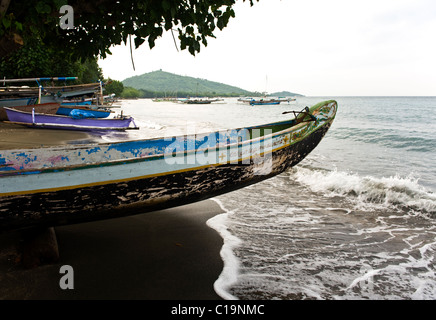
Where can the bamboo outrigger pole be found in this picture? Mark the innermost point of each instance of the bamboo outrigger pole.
(38, 79)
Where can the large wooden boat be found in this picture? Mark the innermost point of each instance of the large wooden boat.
(69, 97)
(76, 183)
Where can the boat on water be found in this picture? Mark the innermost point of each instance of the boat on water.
(265, 101)
(261, 102)
(286, 99)
(200, 100)
(67, 184)
(78, 119)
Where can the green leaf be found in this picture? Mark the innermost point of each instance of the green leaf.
(18, 26)
(42, 7)
(6, 22)
(60, 3)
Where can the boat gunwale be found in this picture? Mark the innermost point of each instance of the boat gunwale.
(126, 117)
(66, 127)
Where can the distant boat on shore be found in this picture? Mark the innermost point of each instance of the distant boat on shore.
(77, 120)
(84, 97)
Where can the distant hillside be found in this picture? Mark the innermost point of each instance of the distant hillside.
(173, 84)
(285, 94)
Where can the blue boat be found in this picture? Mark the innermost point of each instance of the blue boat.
(77, 103)
(96, 112)
(78, 120)
(260, 102)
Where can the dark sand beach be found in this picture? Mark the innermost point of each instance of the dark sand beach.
(14, 136)
(164, 255)
(167, 255)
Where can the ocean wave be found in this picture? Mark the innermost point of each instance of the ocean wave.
(230, 272)
(368, 192)
(396, 139)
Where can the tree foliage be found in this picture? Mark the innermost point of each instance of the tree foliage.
(114, 86)
(34, 60)
(99, 24)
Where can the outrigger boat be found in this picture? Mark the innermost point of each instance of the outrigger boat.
(258, 102)
(54, 108)
(199, 100)
(69, 97)
(76, 120)
(67, 184)
(262, 102)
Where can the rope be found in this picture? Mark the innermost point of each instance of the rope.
(131, 54)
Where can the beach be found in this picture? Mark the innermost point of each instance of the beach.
(163, 255)
(354, 220)
(167, 255)
(14, 136)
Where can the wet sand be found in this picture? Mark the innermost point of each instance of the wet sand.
(167, 255)
(163, 255)
(14, 136)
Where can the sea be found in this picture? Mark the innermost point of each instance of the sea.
(356, 219)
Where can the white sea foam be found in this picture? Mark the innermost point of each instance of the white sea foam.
(368, 192)
(321, 234)
(229, 274)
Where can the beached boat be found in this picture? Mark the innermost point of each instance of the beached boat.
(77, 120)
(46, 108)
(93, 111)
(56, 108)
(13, 102)
(76, 183)
(69, 97)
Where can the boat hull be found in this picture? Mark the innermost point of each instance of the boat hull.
(260, 103)
(14, 102)
(136, 179)
(39, 120)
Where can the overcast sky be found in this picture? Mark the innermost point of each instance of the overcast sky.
(312, 47)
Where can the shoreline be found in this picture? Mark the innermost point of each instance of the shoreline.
(170, 254)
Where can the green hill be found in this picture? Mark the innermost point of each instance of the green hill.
(173, 84)
(285, 94)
